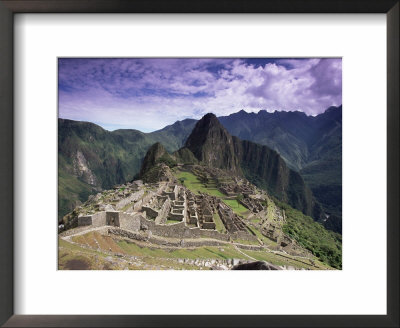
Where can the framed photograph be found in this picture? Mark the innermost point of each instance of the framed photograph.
(199, 164)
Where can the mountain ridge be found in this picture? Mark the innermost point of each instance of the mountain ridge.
(117, 156)
(213, 146)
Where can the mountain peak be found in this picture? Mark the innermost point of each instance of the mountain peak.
(155, 152)
(211, 144)
(209, 118)
(207, 123)
(333, 108)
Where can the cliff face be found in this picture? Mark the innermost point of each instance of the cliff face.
(311, 145)
(213, 146)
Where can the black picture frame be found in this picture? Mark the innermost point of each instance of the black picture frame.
(10, 7)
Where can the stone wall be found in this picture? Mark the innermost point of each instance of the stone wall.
(208, 225)
(146, 198)
(126, 234)
(165, 244)
(150, 213)
(163, 213)
(214, 234)
(172, 194)
(130, 221)
(244, 235)
(176, 215)
(112, 218)
(97, 220)
(84, 220)
(179, 230)
(132, 198)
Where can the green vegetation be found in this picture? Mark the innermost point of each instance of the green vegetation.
(113, 157)
(193, 183)
(246, 242)
(167, 160)
(211, 252)
(95, 255)
(169, 221)
(74, 257)
(324, 244)
(268, 242)
(71, 192)
(218, 223)
(238, 208)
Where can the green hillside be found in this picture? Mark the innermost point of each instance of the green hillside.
(91, 159)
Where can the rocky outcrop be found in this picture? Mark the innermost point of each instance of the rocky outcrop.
(153, 155)
(82, 170)
(159, 172)
(212, 145)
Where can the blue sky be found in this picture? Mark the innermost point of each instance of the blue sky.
(149, 93)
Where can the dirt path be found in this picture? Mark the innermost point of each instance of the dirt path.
(238, 249)
(83, 232)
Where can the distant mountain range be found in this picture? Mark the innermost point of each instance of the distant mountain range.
(91, 158)
(312, 145)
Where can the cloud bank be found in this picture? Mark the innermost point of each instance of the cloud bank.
(148, 94)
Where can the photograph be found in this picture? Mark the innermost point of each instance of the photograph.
(199, 163)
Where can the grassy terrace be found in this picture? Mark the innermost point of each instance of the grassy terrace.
(284, 260)
(265, 240)
(172, 221)
(218, 223)
(73, 256)
(238, 208)
(225, 252)
(191, 182)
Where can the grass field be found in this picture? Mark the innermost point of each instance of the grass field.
(218, 223)
(106, 253)
(225, 252)
(172, 221)
(238, 208)
(191, 182)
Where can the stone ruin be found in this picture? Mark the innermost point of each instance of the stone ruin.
(193, 218)
(231, 220)
(233, 189)
(206, 220)
(165, 208)
(254, 205)
(111, 218)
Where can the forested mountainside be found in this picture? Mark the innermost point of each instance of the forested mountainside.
(91, 158)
